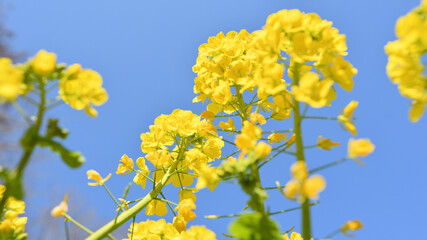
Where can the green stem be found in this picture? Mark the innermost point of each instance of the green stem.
(328, 165)
(292, 209)
(76, 223)
(112, 197)
(29, 149)
(322, 118)
(124, 217)
(254, 168)
(22, 112)
(306, 222)
(67, 232)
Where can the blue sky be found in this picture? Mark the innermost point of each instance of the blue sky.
(145, 51)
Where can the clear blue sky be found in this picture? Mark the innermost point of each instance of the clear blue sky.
(145, 50)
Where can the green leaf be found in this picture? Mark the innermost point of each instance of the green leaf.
(53, 130)
(255, 226)
(72, 159)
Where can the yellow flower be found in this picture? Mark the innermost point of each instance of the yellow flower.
(81, 89)
(198, 233)
(352, 225)
(11, 81)
(141, 175)
(6, 228)
(179, 223)
(160, 158)
(126, 165)
(301, 187)
(94, 175)
(15, 205)
(153, 230)
(61, 208)
(346, 117)
(185, 208)
(181, 179)
(212, 147)
(417, 110)
(157, 207)
(208, 177)
(312, 186)
(292, 189)
(256, 117)
(325, 143)
(208, 115)
(359, 148)
(262, 150)
(228, 126)
(250, 134)
(313, 91)
(124, 204)
(299, 170)
(276, 137)
(294, 236)
(187, 193)
(341, 71)
(44, 63)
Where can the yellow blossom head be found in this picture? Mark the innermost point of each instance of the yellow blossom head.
(44, 63)
(125, 166)
(359, 148)
(61, 208)
(82, 89)
(198, 233)
(11, 81)
(352, 225)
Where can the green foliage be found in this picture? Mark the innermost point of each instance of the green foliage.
(72, 159)
(53, 130)
(255, 226)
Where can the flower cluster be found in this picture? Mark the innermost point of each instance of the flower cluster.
(223, 63)
(301, 186)
(160, 230)
(405, 67)
(185, 141)
(82, 88)
(11, 80)
(12, 226)
(311, 44)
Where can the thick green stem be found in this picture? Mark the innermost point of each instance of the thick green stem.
(125, 216)
(306, 222)
(17, 175)
(25, 159)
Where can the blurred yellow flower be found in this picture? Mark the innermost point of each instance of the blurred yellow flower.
(325, 143)
(61, 208)
(94, 175)
(346, 117)
(82, 88)
(359, 148)
(44, 63)
(11, 81)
